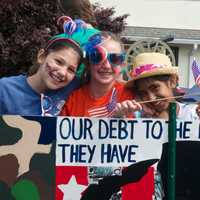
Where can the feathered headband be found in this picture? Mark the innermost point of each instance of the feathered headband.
(76, 32)
(69, 26)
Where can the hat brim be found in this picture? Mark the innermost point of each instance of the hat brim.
(156, 72)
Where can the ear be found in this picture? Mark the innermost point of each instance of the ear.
(173, 81)
(41, 56)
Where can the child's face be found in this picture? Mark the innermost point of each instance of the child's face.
(103, 73)
(58, 68)
(151, 89)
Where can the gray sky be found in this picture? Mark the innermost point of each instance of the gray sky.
(158, 13)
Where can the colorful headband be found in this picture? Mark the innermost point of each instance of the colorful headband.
(56, 40)
(76, 32)
(69, 27)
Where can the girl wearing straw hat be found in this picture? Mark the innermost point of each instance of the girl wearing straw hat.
(154, 81)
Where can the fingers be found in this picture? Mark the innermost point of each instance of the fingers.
(118, 111)
(198, 109)
(136, 105)
(126, 108)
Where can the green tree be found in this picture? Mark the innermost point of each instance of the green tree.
(27, 24)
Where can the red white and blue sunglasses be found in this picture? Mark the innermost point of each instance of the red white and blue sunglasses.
(99, 54)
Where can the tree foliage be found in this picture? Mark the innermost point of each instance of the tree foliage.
(27, 24)
(107, 21)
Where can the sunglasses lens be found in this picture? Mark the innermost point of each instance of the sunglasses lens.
(116, 59)
(96, 56)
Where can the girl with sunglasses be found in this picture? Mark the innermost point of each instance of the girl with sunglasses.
(102, 89)
(44, 92)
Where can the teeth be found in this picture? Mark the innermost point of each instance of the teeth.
(105, 72)
(56, 78)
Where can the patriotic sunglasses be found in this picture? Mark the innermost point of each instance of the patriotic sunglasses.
(99, 54)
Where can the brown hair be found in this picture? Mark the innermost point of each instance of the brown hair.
(56, 46)
(162, 78)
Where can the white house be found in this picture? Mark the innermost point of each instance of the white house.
(160, 19)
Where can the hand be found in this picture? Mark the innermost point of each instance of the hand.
(198, 109)
(126, 108)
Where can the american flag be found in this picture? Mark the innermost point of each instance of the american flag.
(196, 72)
(107, 110)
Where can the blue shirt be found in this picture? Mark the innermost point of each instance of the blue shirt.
(18, 98)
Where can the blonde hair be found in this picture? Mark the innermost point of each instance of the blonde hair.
(85, 78)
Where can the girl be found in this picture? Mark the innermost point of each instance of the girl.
(154, 81)
(44, 92)
(102, 90)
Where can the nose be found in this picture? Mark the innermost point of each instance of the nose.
(106, 64)
(151, 96)
(62, 72)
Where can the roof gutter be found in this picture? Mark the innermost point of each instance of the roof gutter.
(174, 41)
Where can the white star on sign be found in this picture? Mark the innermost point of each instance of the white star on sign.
(72, 190)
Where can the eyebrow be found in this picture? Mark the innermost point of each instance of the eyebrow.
(65, 61)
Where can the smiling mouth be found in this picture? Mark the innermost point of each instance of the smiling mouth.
(105, 73)
(155, 104)
(55, 78)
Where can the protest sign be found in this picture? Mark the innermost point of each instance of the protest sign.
(67, 158)
(89, 151)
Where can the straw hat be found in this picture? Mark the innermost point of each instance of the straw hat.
(150, 64)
